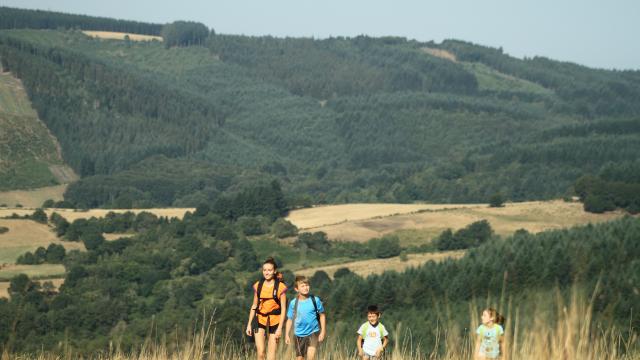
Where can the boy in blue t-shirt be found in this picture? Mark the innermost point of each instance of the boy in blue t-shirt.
(306, 313)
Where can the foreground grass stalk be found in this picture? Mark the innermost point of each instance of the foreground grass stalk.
(571, 336)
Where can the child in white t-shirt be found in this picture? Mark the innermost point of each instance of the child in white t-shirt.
(373, 337)
(489, 335)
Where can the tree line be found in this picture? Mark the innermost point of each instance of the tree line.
(174, 269)
(14, 18)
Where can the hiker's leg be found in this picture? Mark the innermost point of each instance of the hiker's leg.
(259, 338)
(313, 345)
(272, 345)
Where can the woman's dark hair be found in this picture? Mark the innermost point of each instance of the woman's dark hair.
(272, 261)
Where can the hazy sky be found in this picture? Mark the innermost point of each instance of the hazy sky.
(595, 33)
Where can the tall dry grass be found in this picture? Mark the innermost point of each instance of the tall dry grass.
(571, 336)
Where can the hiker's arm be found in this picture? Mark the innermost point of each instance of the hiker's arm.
(287, 332)
(501, 346)
(385, 341)
(323, 322)
(283, 312)
(359, 343)
(252, 313)
(476, 352)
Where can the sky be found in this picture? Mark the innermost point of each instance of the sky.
(600, 34)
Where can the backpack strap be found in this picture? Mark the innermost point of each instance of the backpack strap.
(315, 307)
(275, 297)
(295, 313)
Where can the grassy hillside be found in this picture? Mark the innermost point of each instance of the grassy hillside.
(418, 224)
(337, 120)
(28, 152)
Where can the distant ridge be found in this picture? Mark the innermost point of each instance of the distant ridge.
(15, 18)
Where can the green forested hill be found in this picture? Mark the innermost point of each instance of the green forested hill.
(29, 155)
(335, 120)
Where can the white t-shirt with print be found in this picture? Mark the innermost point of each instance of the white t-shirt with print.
(372, 336)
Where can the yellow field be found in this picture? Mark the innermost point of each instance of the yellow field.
(32, 198)
(319, 216)
(360, 225)
(444, 54)
(111, 237)
(120, 36)
(33, 271)
(27, 235)
(72, 215)
(4, 285)
(378, 266)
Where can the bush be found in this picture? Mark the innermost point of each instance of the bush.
(385, 247)
(251, 225)
(4, 230)
(184, 33)
(598, 204)
(39, 216)
(282, 228)
(315, 241)
(342, 272)
(60, 223)
(471, 236)
(496, 200)
(92, 240)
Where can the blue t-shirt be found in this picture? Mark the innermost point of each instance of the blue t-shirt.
(306, 321)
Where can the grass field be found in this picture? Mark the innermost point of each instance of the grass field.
(443, 54)
(378, 266)
(319, 216)
(121, 35)
(4, 285)
(72, 215)
(28, 151)
(42, 271)
(27, 235)
(32, 198)
(356, 223)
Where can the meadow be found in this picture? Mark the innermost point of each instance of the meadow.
(121, 36)
(32, 198)
(71, 214)
(28, 235)
(415, 224)
(365, 268)
(572, 335)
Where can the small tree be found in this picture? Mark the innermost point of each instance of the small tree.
(496, 200)
(282, 228)
(39, 216)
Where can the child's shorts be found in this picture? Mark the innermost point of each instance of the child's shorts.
(303, 343)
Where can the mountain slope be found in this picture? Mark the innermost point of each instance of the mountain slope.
(335, 120)
(29, 155)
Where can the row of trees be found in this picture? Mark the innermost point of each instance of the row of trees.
(599, 195)
(169, 274)
(185, 33)
(590, 92)
(337, 66)
(14, 18)
(390, 144)
(53, 254)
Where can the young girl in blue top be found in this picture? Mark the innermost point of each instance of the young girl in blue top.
(489, 339)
